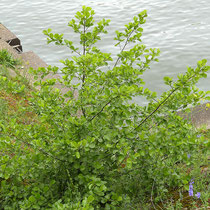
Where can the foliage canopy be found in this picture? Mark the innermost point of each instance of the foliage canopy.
(92, 147)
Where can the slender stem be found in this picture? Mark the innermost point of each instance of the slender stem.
(78, 53)
(102, 109)
(84, 51)
(126, 42)
(41, 150)
(83, 76)
(146, 118)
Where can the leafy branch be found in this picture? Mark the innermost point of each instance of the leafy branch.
(171, 93)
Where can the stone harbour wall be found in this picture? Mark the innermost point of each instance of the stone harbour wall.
(13, 44)
(9, 41)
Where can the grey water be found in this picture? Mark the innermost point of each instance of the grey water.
(180, 28)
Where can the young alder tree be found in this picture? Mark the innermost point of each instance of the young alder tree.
(93, 147)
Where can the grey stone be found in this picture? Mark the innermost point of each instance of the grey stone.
(9, 37)
(198, 116)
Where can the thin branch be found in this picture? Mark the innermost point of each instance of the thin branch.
(146, 118)
(101, 109)
(84, 52)
(84, 31)
(165, 116)
(46, 153)
(40, 149)
(76, 52)
(123, 47)
(83, 112)
(83, 76)
(124, 160)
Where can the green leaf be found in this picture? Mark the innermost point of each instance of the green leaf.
(90, 199)
(78, 155)
(32, 199)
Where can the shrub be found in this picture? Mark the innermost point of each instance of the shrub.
(92, 147)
